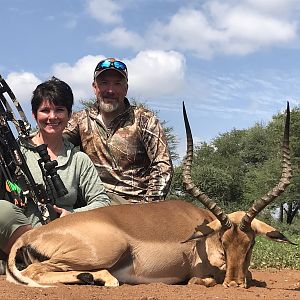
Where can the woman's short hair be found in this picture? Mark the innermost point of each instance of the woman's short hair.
(55, 91)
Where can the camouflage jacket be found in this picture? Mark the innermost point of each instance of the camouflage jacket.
(131, 155)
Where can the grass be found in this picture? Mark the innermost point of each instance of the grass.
(268, 254)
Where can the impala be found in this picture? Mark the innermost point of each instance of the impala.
(170, 242)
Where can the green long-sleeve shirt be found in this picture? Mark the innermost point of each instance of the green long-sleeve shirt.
(78, 174)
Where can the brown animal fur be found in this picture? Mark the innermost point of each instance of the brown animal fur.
(137, 244)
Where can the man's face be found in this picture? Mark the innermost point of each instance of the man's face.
(110, 88)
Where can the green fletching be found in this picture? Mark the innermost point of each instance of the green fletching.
(13, 187)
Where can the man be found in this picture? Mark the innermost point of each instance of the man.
(126, 143)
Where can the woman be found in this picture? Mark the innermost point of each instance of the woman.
(52, 107)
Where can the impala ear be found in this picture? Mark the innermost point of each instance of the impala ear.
(205, 230)
(277, 236)
(261, 228)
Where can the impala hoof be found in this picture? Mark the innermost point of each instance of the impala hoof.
(86, 278)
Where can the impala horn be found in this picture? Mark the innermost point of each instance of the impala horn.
(188, 183)
(286, 175)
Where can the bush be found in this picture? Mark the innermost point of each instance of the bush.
(268, 254)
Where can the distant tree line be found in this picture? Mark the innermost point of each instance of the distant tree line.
(240, 166)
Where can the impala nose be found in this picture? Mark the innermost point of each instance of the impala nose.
(232, 284)
(235, 284)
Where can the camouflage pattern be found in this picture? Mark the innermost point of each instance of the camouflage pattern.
(131, 155)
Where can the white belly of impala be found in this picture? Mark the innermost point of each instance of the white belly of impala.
(125, 275)
(166, 263)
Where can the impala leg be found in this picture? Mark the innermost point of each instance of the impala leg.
(49, 273)
(61, 277)
(36, 270)
(50, 277)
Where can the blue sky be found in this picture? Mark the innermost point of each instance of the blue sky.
(234, 63)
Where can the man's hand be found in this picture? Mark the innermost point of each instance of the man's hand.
(61, 211)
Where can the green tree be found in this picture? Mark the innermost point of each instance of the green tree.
(216, 170)
(255, 146)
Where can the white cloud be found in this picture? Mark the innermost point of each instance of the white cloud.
(274, 7)
(105, 11)
(245, 29)
(79, 76)
(233, 27)
(156, 73)
(22, 85)
(122, 38)
(188, 30)
(150, 73)
(217, 27)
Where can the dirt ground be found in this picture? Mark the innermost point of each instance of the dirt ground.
(266, 284)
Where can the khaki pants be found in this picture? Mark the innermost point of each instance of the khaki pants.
(12, 217)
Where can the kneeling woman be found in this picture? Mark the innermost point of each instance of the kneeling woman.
(51, 105)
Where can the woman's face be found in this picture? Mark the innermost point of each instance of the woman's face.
(51, 119)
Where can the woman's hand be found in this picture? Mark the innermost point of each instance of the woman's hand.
(61, 211)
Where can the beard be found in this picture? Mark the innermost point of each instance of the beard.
(108, 107)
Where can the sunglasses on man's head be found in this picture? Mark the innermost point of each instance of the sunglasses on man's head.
(105, 64)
